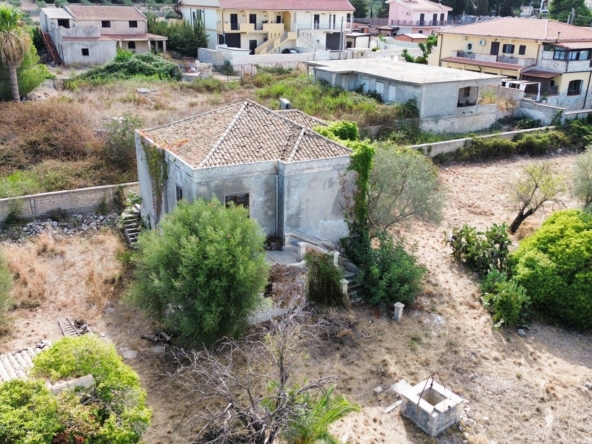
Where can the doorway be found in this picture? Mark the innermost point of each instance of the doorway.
(252, 46)
(494, 48)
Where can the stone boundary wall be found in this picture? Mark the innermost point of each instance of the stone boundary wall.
(452, 145)
(533, 110)
(81, 200)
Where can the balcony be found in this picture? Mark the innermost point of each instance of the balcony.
(425, 23)
(508, 60)
(321, 26)
(248, 28)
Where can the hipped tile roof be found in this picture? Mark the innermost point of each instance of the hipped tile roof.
(288, 5)
(524, 28)
(297, 116)
(244, 132)
(81, 12)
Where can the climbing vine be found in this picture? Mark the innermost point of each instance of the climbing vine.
(158, 171)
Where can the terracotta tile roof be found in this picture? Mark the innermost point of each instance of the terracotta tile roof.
(575, 45)
(423, 5)
(523, 28)
(244, 132)
(288, 5)
(301, 118)
(466, 61)
(105, 12)
(541, 74)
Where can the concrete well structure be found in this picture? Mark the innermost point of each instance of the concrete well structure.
(429, 405)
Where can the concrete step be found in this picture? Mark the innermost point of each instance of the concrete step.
(17, 364)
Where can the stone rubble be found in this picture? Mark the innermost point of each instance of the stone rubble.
(75, 224)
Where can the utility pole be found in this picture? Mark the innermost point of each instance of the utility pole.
(341, 39)
(314, 38)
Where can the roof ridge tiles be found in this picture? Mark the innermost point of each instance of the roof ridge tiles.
(297, 144)
(224, 134)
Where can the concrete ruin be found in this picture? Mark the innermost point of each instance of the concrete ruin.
(431, 406)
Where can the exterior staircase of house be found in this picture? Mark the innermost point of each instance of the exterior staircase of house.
(274, 46)
(131, 224)
(51, 49)
(16, 365)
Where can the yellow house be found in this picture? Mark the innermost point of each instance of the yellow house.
(555, 58)
(272, 26)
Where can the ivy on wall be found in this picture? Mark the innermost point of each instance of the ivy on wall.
(158, 171)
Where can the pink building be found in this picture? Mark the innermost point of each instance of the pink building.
(417, 16)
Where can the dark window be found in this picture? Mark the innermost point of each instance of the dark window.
(467, 96)
(420, 31)
(85, 51)
(442, 17)
(239, 199)
(179, 192)
(421, 19)
(508, 49)
(131, 45)
(64, 23)
(574, 88)
(278, 19)
(522, 50)
(234, 26)
(559, 54)
(316, 20)
(133, 24)
(494, 48)
(548, 47)
(434, 19)
(105, 24)
(253, 18)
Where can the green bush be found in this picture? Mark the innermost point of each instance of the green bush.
(340, 130)
(492, 278)
(19, 183)
(323, 281)
(579, 133)
(479, 251)
(506, 302)
(533, 144)
(121, 411)
(202, 270)
(528, 123)
(30, 75)
(5, 287)
(390, 274)
(226, 68)
(554, 266)
(582, 179)
(119, 147)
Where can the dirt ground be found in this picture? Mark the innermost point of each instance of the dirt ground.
(518, 389)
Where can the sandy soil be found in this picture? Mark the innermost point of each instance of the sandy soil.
(518, 390)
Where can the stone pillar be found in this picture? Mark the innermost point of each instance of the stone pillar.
(301, 250)
(336, 258)
(164, 47)
(287, 240)
(344, 283)
(398, 311)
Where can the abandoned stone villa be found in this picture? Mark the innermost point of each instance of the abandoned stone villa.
(288, 176)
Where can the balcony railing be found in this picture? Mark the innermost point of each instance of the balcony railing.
(421, 22)
(234, 26)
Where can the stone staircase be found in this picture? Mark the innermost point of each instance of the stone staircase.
(131, 224)
(274, 46)
(16, 365)
(51, 49)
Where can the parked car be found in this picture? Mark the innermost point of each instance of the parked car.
(289, 51)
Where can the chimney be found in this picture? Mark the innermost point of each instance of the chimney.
(559, 36)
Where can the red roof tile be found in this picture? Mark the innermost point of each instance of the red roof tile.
(523, 28)
(465, 61)
(289, 5)
(81, 12)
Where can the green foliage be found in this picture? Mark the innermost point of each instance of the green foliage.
(403, 184)
(388, 273)
(19, 183)
(208, 85)
(554, 266)
(582, 179)
(202, 270)
(323, 281)
(479, 251)
(319, 413)
(227, 68)
(159, 173)
(506, 302)
(125, 66)
(528, 123)
(579, 133)
(30, 75)
(340, 131)
(561, 9)
(119, 147)
(426, 48)
(183, 37)
(28, 413)
(494, 277)
(326, 102)
(361, 8)
(5, 287)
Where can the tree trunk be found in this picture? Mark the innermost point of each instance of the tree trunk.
(14, 83)
(519, 219)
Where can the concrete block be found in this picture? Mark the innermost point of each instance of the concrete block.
(85, 382)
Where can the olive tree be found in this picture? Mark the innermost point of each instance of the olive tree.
(582, 179)
(200, 272)
(403, 184)
(537, 186)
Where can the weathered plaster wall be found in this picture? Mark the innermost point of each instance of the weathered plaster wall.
(459, 123)
(533, 110)
(81, 200)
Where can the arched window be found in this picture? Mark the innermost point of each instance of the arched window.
(131, 46)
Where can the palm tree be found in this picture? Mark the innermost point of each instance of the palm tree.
(312, 425)
(15, 42)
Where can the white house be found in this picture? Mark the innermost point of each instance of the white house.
(417, 16)
(91, 35)
(271, 26)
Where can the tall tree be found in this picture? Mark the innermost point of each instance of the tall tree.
(361, 8)
(384, 10)
(15, 41)
(561, 10)
(482, 7)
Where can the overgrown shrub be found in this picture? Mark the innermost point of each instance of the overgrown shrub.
(202, 270)
(226, 68)
(323, 281)
(579, 133)
(528, 123)
(30, 75)
(389, 274)
(340, 130)
(481, 251)
(506, 302)
(582, 179)
(120, 413)
(119, 147)
(535, 145)
(554, 266)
